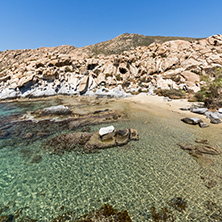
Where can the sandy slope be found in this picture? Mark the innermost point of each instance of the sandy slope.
(158, 105)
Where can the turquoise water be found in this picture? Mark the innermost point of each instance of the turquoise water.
(135, 177)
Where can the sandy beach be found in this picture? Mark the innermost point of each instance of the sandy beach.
(158, 105)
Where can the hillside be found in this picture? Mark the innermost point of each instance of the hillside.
(117, 45)
(127, 42)
(177, 64)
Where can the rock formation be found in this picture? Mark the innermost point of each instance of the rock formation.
(68, 70)
(90, 142)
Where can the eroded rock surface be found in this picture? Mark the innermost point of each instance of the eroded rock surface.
(175, 64)
(90, 142)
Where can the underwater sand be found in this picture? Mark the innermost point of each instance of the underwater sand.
(135, 177)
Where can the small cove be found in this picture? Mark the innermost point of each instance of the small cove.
(142, 174)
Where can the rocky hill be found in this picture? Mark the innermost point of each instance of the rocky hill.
(127, 42)
(114, 46)
(68, 70)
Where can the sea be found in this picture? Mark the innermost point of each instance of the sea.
(152, 178)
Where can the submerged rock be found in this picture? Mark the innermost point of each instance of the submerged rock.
(106, 213)
(36, 159)
(94, 119)
(3, 134)
(53, 110)
(201, 158)
(214, 211)
(162, 215)
(187, 146)
(7, 218)
(208, 149)
(204, 148)
(204, 141)
(178, 203)
(68, 142)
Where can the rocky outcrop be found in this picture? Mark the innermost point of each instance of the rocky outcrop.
(199, 151)
(90, 142)
(174, 64)
(203, 148)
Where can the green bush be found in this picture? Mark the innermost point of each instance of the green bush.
(211, 93)
(171, 93)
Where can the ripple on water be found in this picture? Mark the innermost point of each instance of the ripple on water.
(150, 172)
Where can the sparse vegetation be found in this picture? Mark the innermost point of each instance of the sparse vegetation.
(128, 41)
(171, 93)
(67, 69)
(211, 93)
(119, 78)
(108, 75)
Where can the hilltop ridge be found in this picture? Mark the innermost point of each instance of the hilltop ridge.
(123, 42)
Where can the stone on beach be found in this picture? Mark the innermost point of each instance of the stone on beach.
(192, 120)
(203, 125)
(214, 118)
(199, 110)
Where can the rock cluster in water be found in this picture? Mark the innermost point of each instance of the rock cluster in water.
(90, 142)
(174, 64)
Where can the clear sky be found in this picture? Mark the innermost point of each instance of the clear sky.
(37, 23)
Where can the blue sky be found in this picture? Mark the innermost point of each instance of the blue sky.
(33, 24)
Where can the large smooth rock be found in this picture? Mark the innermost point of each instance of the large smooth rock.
(199, 110)
(105, 130)
(122, 136)
(214, 118)
(192, 121)
(83, 86)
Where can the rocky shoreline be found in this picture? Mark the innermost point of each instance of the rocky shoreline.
(176, 64)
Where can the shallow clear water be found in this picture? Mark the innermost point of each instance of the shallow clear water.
(145, 173)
